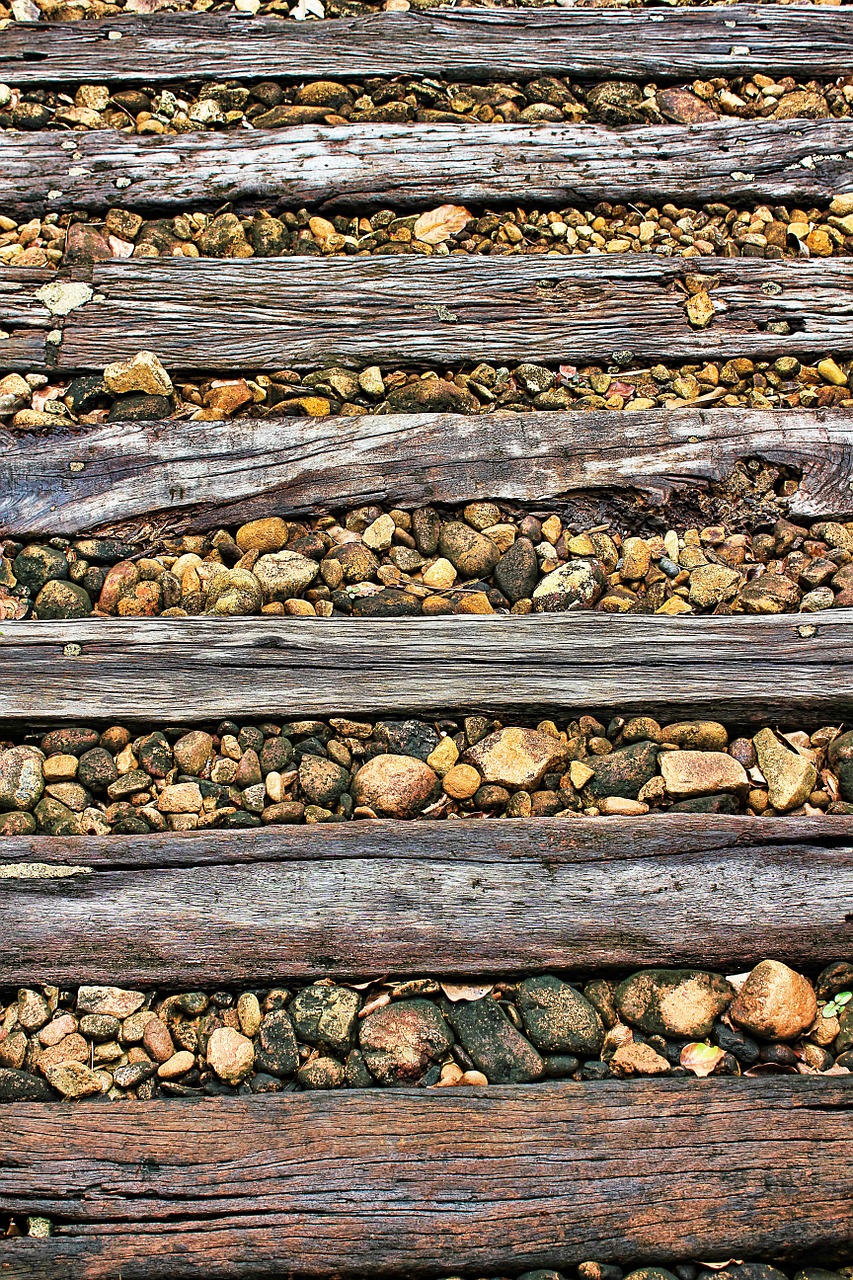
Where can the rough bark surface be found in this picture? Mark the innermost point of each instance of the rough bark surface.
(194, 669)
(472, 43)
(365, 899)
(265, 313)
(476, 1181)
(422, 165)
(173, 471)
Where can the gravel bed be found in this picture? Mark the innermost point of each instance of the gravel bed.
(301, 10)
(274, 104)
(141, 390)
(102, 1040)
(483, 558)
(77, 781)
(715, 230)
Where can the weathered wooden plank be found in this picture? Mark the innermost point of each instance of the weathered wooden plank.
(741, 668)
(419, 1183)
(418, 166)
(362, 899)
(261, 313)
(25, 321)
(295, 467)
(466, 43)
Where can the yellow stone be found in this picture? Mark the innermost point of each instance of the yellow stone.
(461, 781)
(830, 372)
(674, 606)
(579, 773)
(440, 574)
(700, 309)
(443, 757)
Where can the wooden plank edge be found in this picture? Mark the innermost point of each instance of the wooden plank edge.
(293, 1183)
(170, 472)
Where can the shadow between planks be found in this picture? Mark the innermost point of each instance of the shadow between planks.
(741, 669)
(362, 899)
(474, 43)
(173, 470)
(417, 166)
(416, 1183)
(261, 313)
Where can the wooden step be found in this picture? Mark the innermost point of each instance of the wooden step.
(112, 474)
(191, 669)
(466, 43)
(357, 900)
(263, 314)
(417, 1183)
(364, 166)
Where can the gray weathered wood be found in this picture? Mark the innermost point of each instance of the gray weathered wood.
(419, 166)
(25, 322)
(472, 43)
(363, 899)
(741, 668)
(265, 313)
(422, 1183)
(174, 470)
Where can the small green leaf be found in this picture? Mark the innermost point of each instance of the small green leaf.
(842, 997)
(830, 1010)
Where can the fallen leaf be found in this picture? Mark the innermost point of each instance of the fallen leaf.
(456, 992)
(721, 1266)
(377, 1003)
(701, 1058)
(438, 225)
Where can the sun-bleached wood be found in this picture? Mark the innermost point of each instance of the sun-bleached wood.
(418, 166)
(741, 668)
(473, 43)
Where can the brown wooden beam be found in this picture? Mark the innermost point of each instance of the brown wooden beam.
(422, 1183)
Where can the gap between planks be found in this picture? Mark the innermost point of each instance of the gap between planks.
(422, 1183)
(263, 313)
(172, 471)
(362, 899)
(469, 43)
(366, 166)
(190, 670)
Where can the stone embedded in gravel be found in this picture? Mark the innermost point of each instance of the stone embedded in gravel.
(517, 571)
(711, 584)
(622, 772)
(696, 735)
(326, 1016)
(22, 1086)
(674, 1002)
(268, 534)
(21, 778)
(840, 758)
(408, 737)
(96, 769)
(400, 1040)
(775, 1002)
(634, 1059)
(143, 372)
(231, 1054)
(557, 1018)
(193, 751)
(473, 554)
(503, 1054)
(701, 773)
(461, 782)
(178, 1065)
(58, 600)
(432, 394)
(322, 781)
(284, 574)
(233, 593)
(115, 1001)
(394, 786)
(74, 1079)
(771, 593)
(516, 757)
(277, 1053)
(577, 584)
(36, 565)
(181, 797)
(791, 778)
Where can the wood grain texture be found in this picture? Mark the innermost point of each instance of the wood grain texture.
(471, 43)
(193, 475)
(419, 166)
(415, 1183)
(25, 322)
(268, 313)
(737, 668)
(358, 900)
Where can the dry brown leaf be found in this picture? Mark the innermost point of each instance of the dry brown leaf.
(377, 1003)
(438, 225)
(456, 992)
(701, 1058)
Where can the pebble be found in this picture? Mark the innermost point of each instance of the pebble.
(790, 777)
(400, 1040)
(21, 778)
(501, 1052)
(143, 372)
(115, 1001)
(516, 757)
(633, 1059)
(676, 1002)
(74, 1079)
(231, 1054)
(557, 1018)
(700, 773)
(394, 786)
(775, 1002)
